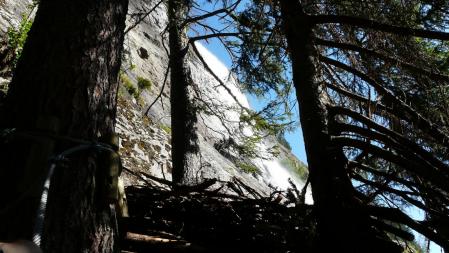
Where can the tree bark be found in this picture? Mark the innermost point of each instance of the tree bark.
(67, 73)
(340, 226)
(185, 147)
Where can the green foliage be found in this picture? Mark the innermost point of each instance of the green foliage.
(140, 101)
(436, 53)
(407, 79)
(248, 168)
(262, 124)
(166, 128)
(262, 68)
(132, 90)
(249, 148)
(296, 167)
(121, 91)
(17, 37)
(143, 83)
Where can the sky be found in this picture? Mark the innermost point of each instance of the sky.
(294, 138)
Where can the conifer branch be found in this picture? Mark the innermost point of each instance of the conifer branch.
(371, 24)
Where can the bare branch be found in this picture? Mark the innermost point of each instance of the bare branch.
(213, 35)
(227, 10)
(222, 84)
(160, 93)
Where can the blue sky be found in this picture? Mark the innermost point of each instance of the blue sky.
(294, 138)
(214, 45)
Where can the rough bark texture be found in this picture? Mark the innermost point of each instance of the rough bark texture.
(68, 72)
(183, 116)
(341, 226)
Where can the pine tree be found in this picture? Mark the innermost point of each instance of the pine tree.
(361, 96)
(185, 145)
(188, 101)
(66, 81)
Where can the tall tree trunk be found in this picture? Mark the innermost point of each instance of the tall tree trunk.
(341, 225)
(185, 150)
(67, 74)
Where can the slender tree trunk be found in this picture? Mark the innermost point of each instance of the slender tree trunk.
(341, 225)
(66, 79)
(185, 148)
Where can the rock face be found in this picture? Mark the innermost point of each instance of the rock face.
(145, 139)
(11, 12)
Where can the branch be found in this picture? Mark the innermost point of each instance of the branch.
(220, 117)
(402, 194)
(227, 10)
(398, 146)
(387, 58)
(208, 15)
(222, 84)
(160, 93)
(383, 187)
(358, 97)
(367, 23)
(165, 79)
(398, 216)
(143, 176)
(394, 230)
(396, 191)
(410, 185)
(433, 176)
(398, 137)
(400, 106)
(213, 35)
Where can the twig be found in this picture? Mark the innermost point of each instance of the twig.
(160, 93)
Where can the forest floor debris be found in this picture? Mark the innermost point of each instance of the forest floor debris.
(196, 219)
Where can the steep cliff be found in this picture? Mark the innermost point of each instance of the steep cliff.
(145, 139)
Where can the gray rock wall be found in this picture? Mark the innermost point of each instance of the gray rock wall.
(145, 140)
(11, 12)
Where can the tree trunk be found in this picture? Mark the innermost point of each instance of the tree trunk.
(341, 226)
(185, 149)
(67, 74)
